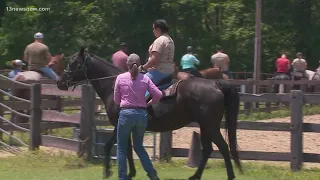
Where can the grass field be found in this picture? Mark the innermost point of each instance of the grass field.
(43, 166)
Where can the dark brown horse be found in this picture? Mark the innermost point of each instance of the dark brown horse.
(196, 100)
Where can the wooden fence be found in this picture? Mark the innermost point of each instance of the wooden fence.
(40, 118)
(296, 128)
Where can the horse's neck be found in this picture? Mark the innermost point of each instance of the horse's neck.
(103, 87)
(59, 69)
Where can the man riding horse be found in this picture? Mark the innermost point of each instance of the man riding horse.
(283, 65)
(222, 61)
(299, 66)
(38, 56)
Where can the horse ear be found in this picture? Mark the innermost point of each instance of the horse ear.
(62, 56)
(81, 53)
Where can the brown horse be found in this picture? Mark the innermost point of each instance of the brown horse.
(209, 73)
(56, 63)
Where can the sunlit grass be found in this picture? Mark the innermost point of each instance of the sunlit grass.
(63, 166)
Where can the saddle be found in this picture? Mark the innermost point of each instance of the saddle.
(298, 74)
(38, 71)
(171, 91)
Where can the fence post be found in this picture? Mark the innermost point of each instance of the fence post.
(268, 104)
(248, 105)
(35, 117)
(87, 116)
(59, 103)
(281, 88)
(296, 160)
(165, 146)
(2, 115)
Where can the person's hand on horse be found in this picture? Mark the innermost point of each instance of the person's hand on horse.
(140, 68)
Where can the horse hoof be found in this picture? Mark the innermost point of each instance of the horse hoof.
(131, 175)
(193, 178)
(107, 174)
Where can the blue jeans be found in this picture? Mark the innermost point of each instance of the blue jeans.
(49, 72)
(228, 73)
(156, 76)
(135, 121)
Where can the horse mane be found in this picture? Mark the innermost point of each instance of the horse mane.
(111, 68)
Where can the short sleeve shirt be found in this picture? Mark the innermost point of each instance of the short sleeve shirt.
(119, 59)
(164, 45)
(220, 60)
(37, 55)
(283, 65)
(299, 64)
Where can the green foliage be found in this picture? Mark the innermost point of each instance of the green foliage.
(102, 24)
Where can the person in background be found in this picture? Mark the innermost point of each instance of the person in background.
(222, 61)
(129, 93)
(38, 56)
(300, 64)
(188, 62)
(318, 69)
(17, 66)
(160, 63)
(283, 64)
(119, 58)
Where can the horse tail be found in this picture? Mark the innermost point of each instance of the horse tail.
(231, 103)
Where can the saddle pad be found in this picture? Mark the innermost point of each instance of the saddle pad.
(171, 90)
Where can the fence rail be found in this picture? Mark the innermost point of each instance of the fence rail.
(39, 117)
(296, 128)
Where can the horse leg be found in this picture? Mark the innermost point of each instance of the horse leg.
(207, 149)
(132, 169)
(224, 150)
(107, 149)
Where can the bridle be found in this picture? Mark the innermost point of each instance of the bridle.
(84, 68)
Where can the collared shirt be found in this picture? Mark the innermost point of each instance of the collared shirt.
(131, 93)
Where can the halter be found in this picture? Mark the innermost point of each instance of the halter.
(82, 67)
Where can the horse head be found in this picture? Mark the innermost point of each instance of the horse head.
(75, 71)
(57, 64)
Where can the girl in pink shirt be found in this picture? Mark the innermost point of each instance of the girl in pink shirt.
(129, 93)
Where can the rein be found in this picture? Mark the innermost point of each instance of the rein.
(84, 69)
